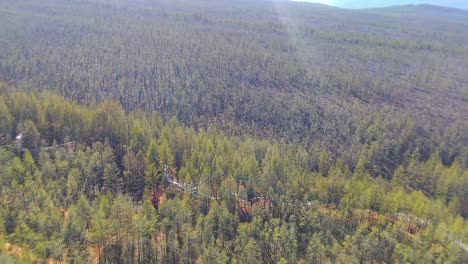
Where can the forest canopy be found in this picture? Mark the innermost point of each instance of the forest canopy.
(94, 183)
(305, 73)
(232, 132)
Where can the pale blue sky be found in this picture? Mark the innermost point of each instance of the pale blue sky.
(382, 3)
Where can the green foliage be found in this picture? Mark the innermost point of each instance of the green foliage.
(6, 119)
(365, 83)
(251, 161)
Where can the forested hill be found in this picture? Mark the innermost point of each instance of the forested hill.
(424, 11)
(328, 78)
(232, 131)
(462, 4)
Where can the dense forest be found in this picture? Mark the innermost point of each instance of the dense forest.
(308, 74)
(131, 188)
(232, 132)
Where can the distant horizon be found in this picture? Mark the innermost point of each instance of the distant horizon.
(362, 4)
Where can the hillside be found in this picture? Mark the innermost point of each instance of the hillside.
(460, 4)
(283, 131)
(288, 70)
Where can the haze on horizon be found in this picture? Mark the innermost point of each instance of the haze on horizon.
(463, 4)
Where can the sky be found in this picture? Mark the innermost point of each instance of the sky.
(382, 3)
